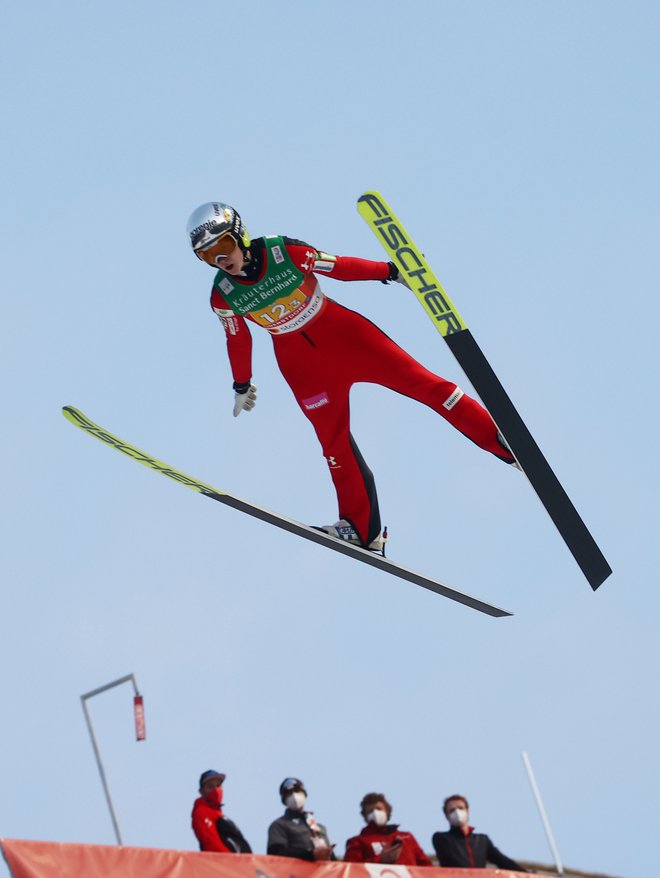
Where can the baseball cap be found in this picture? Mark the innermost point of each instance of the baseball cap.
(207, 775)
(291, 784)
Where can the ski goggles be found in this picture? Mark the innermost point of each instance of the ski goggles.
(218, 249)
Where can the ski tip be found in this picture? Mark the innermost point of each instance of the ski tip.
(73, 415)
(597, 579)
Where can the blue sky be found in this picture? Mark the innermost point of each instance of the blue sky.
(518, 143)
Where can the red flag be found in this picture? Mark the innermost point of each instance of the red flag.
(140, 727)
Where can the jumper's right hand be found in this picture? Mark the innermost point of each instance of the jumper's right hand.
(245, 397)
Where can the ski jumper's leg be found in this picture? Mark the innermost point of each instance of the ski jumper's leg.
(320, 382)
(378, 360)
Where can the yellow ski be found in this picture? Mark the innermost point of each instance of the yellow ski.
(78, 419)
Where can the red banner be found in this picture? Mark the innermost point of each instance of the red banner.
(138, 710)
(47, 859)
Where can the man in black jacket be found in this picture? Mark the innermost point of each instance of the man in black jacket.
(462, 847)
(296, 833)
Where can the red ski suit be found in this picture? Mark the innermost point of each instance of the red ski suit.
(330, 349)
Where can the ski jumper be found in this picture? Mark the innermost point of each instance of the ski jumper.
(322, 349)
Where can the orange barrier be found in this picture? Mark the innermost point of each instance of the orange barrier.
(48, 859)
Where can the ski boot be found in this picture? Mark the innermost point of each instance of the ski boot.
(344, 530)
(505, 445)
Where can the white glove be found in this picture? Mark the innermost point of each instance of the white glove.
(245, 400)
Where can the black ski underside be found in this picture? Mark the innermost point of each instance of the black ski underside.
(554, 498)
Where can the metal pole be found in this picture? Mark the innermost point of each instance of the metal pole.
(97, 753)
(544, 818)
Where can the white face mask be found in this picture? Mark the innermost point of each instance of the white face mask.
(377, 816)
(295, 801)
(458, 816)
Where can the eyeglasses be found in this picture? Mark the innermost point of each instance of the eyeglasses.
(217, 250)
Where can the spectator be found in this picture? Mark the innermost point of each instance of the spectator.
(464, 848)
(214, 832)
(381, 841)
(296, 833)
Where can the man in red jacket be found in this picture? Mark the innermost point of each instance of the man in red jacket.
(213, 830)
(381, 841)
(322, 349)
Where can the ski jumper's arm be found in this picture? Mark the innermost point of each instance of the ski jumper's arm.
(351, 268)
(308, 259)
(239, 338)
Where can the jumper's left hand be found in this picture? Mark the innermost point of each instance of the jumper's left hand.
(396, 275)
